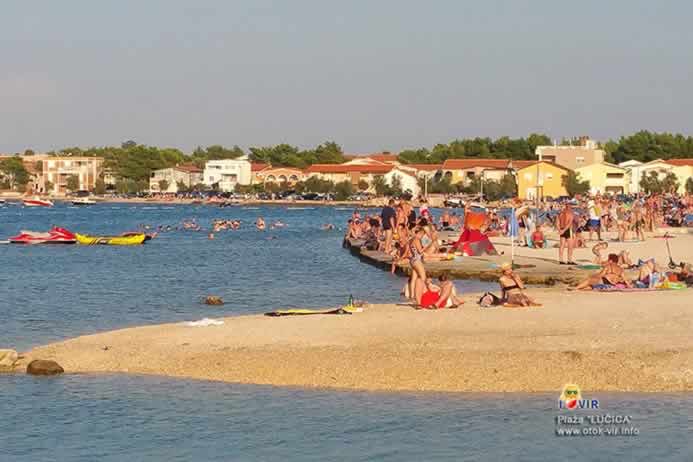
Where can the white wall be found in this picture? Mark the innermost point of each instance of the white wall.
(227, 173)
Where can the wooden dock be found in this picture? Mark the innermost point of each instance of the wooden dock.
(532, 270)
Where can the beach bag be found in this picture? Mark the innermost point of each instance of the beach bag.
(489, 299)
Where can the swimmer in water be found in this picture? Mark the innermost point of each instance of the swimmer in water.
(260, 224)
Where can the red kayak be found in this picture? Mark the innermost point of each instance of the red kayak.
(54, 236)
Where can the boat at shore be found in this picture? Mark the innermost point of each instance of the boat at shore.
(54, 236)
(37, 202)
(83, 201)
(127, 239)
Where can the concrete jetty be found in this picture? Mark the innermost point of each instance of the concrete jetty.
(540, 269)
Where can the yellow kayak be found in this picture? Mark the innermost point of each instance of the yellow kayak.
(133, 239)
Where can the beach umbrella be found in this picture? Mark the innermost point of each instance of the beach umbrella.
(514, 231)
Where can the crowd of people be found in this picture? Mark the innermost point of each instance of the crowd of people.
(412, 238)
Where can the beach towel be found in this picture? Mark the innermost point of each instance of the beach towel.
(306, 312)
(607, 288)
(204, 322)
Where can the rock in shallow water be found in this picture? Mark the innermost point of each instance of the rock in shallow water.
(7, 359)
(44, 367)
(213, 300)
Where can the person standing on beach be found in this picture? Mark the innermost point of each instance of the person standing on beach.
(566, 233)
(594, 223)
(387, 217)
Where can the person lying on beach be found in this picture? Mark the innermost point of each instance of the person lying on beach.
(512, 288)
(610, 275)
(648, 275)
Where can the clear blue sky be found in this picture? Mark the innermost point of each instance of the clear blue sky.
(368, 74)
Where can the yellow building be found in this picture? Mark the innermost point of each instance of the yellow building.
(542, 179)
(683, 169)
(604, 177)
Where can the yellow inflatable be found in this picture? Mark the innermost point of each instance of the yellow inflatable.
(132, 239)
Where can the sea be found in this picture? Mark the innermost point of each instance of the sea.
(49, 293)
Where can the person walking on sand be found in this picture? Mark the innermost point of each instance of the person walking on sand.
(566, 233)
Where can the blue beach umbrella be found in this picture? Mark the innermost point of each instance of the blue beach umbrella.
(514, 231)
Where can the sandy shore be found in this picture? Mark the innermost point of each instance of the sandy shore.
(615, 341)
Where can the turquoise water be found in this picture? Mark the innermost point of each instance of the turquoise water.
(55, 292)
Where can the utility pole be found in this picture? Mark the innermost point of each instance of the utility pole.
(481, 188)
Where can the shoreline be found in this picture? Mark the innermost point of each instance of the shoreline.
(603, 342)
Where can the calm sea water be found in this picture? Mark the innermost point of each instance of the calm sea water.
(55, 292)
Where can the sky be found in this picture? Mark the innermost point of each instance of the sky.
(371, 75)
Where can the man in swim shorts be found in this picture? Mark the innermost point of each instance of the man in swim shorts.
(564, 223)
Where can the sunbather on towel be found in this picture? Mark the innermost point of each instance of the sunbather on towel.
(610, 275)
(512, 288)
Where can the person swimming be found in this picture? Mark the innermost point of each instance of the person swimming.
(260, 224)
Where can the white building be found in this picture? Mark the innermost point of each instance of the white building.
(635, 169)
(186, 174)
(407, 179)
(227, 173)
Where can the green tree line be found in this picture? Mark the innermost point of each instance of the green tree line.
(132, 163)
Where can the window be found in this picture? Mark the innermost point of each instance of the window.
(549, 176)
(470, 175)
(614, 175)
(579, 160)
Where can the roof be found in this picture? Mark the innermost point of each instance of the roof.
(680, 162)
(188, 168)
(257, 166)
(384, 157)
(554, 164)
(276, 170)
(348, 168)
(461, 164)
(608, 164)
(426, 167)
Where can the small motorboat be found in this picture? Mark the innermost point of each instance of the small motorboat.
(54, 236)
(129, 239)
(83, 201)
(37, 202)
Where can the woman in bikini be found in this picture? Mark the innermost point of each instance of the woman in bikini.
(416, 255)
(512, 288)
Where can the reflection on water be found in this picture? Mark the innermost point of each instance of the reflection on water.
(115, 418)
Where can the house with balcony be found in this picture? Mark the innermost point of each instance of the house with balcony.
(572, 157)
(538, 180)
(52, 173)
(279, 175)
(465, 170)
(187, 175)
(348, 172)
(605, 178)
(683, 169)
(225, 174)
